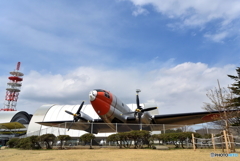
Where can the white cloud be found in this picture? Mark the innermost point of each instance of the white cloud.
(139, 10)
(201, 9)
(219, 37)
(198, 13)
(177, 89)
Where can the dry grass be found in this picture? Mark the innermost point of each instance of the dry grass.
(105, 154)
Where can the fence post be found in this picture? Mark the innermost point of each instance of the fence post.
(193, 142)
(91, 133)
(213, 142)
(232, 143)
(226, 142)
(58, 130)
(164, 128)
(65, 128)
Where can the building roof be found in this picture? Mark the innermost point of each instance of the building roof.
(15, 116)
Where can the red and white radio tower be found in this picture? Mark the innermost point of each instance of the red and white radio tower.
(13, 89)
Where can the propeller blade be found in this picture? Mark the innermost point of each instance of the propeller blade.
(76, 118)
(137, 101)
(140, 120)
(80, 107)
(139, 117)
(71, 125)
(69, 112)
(149, 109)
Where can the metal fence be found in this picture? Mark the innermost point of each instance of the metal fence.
(202, 129)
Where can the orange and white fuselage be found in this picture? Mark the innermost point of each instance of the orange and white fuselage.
(110, 108)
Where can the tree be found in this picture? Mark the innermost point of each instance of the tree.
(176, 138)
(157, 137)
(183, 137)
(221, 99)
(177, 130)
(63, 138)
(235, 101)
(48, 139)
(125, 138)
(186, 136)
(115, 138)
(185, 129)
(220, 102)
(87, 138)
(136, 137)
(171, 131)
(146, 137)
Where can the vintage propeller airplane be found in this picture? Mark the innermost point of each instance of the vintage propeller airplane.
(116, 116)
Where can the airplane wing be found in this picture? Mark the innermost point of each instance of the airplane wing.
(97, 126)
(53, 123)
(187, 118)
(159, 122)
(170, 121)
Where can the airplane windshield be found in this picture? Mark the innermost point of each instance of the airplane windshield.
(106, 94)
(99, 90)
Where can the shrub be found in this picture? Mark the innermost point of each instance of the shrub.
(48, 139)
(115, 138)
(24, 143)
(35, 142)
(63, 138)
(86, 138)
(125, 138)
(13, 142)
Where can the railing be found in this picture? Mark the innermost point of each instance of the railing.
(62, 129)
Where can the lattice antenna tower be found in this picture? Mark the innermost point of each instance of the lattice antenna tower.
(13, 89)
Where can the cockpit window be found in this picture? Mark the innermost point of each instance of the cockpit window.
(99, 90)
(106, 94)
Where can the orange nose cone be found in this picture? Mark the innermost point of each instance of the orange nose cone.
(102, 103)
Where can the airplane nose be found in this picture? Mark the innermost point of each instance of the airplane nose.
(92, 95)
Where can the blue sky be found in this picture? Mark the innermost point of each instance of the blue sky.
(173, 50)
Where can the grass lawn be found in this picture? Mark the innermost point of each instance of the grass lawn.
(105, 154)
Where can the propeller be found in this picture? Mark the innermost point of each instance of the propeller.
(139, 110)
(76, 116)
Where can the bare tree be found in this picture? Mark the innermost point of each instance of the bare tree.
(186, 129)
(220, 101)
(219, 98)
